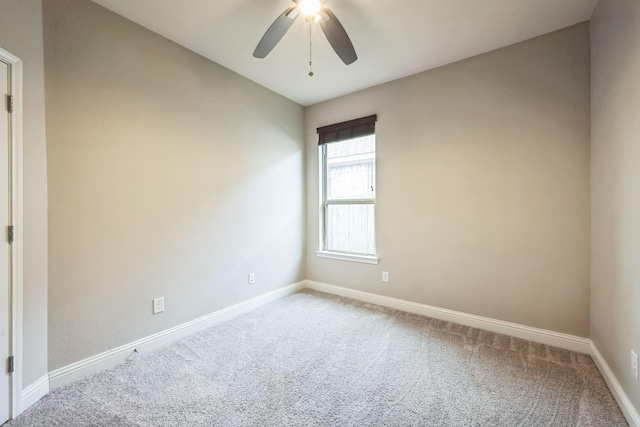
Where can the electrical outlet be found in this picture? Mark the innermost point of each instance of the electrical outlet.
(252, 278)
(385, 276)
(634, 365)
(158, 305)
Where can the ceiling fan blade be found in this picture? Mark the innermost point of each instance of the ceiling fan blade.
(337, 36)
(276, 31)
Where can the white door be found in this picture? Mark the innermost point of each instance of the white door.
(4, 244)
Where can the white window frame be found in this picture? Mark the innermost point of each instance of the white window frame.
(324, 206)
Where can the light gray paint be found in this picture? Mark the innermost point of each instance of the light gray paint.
(169, 176)
(615, 178)
(21, 34)
(482, 185)
(489, 217)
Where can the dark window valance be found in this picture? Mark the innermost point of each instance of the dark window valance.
(347, 130)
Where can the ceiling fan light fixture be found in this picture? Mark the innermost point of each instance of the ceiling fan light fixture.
(312, 18)
(312, 11)
(310, 8)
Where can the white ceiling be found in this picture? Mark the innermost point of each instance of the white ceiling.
(393, 38)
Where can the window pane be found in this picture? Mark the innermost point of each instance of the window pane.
(351, 169)
(350, 228)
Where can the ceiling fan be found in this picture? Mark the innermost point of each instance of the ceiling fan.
(312, 11)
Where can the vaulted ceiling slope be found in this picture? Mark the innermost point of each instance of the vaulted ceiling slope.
(393, 39)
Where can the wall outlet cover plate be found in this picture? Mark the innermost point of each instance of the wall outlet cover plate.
(158, 305)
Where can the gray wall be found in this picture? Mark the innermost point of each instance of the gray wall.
(169, 175)
(482, 185)
(21, 34)
(615, 180)
(490, 217)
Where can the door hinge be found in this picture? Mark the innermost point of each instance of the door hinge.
(10, 233)
(10, 365)
(10, 103)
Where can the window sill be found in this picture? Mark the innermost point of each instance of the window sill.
(366, 259)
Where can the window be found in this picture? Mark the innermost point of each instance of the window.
(347, 187)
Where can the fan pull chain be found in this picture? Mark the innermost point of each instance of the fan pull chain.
(310, 54)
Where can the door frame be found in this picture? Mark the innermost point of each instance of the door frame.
(16, 216)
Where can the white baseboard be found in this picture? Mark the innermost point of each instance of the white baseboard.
(64, 375)
(74, 371)
(34, 392)
(556, 339)
(629, 411)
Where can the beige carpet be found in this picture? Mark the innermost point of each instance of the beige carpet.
(312, 359)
